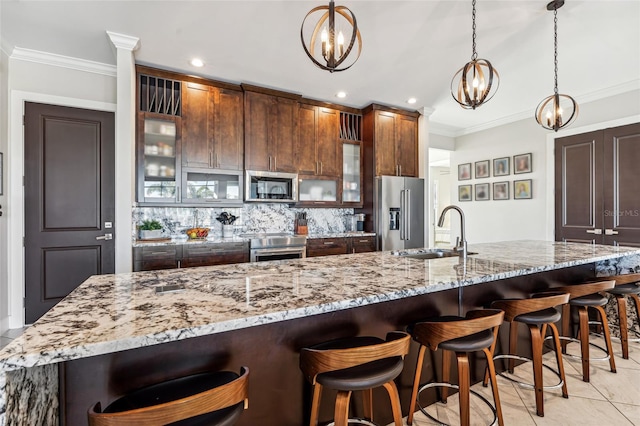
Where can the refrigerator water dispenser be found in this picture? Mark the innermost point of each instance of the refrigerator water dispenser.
(394, 218)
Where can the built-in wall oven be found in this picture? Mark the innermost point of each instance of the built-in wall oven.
(276, 246)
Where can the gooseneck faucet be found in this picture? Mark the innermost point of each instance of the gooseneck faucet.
(461, 243)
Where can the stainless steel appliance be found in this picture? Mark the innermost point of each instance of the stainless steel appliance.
(272, 187)
(400, 212)
(276, 246)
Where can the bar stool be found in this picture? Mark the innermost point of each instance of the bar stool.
(355, 364)
(475, 332)
(197, 400)
(537, 313)
(583, 297)
(626, 285)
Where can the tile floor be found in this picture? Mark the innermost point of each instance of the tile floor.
(607, 400)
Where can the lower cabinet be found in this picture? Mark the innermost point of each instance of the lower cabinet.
(340, 245)
(187, 256)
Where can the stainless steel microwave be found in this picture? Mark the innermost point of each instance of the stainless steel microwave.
(271, 187)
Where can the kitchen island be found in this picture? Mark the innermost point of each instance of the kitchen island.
(114, 333)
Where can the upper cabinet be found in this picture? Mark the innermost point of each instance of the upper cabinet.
(212, 127)
(318, 151)
(270, 124)
(394, 136)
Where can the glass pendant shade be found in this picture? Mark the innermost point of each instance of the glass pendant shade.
(325, 41)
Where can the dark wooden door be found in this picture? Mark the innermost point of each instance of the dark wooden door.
(406, 145)
(197, 126)
(228, 148)
(621, 183)
(327, 142)
(306, 150)
(257, 107)
(282, 139)
(69, 199)
(384, 135)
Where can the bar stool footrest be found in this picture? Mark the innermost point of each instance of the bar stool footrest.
(525, 384)
(356, 421)
(617, 339)
(452, 386)
(574, 340)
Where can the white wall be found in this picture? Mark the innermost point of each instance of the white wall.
(488, 221)
(37, 82)
(4, 135)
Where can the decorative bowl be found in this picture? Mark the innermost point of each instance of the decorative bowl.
(197, 233)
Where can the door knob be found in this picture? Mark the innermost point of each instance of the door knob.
(594, 231)
(610, 232)
(105, 237)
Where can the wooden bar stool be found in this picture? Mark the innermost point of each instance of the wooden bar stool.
(626, 285)
(583, 297)
(475, 332)
(538, 313)
(355, 364)
(197, 400)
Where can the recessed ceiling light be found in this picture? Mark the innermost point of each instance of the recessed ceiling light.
(196, 62)
(412, 100)
(341, 94)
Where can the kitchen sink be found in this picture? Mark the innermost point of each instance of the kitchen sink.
(433, 254)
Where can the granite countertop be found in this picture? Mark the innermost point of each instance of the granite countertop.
(172, 241)
(109, 313)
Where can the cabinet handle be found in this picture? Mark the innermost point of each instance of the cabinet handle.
(363, 241)
(327, 243)
(400, 169)
(210, 159)
(320, 167)
(610, 232)
(179, 264)
(269, 163)
(595, 231)
(275, 163)
(218, 160)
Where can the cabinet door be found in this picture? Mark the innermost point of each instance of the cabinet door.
(282, 138)
(363, 244)
(256, 127)
(385, 135)
(327, 146)
(406, 149)
(197, 131)
(306, 150)
(228, 132)
(326, 246)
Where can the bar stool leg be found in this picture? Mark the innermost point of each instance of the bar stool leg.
(392, 390)
(566, 331)
(622, 322)
(513, 344)
(446, 375)
(416, 384)
(315, 404)
(464, 386)
(341, 414)
(367, 402)
(536, 349)
(491, 372)
(556, 341)
(584, 341)
(607, 336)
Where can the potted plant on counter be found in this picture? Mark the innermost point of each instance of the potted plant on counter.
(226, 219)
(150, 230)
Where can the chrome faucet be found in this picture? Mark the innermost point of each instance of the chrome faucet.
(461, 242)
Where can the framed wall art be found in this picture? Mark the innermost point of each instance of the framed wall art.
(501, 166)
(522, 189)
(501, 190)
(464, 192)
(522, 164)
(482, 191)
(464, 171)
(482, 169)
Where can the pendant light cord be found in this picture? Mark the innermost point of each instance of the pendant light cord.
(474, 56)
(555, 48)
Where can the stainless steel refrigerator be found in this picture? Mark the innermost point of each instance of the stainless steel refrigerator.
(400, 212)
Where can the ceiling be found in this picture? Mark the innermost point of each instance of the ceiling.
(410, 48)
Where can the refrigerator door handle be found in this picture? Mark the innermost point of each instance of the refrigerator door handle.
(402, 215)
(407, 205)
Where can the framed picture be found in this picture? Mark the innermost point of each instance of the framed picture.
(482, 169)
(501, 166)
(464, 192)
(464, 171)
(482, 191)
(501, 190)
(522, 189)
(522, 164)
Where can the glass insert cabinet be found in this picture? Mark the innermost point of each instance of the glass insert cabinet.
(159, 168)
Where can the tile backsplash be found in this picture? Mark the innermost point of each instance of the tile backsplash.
(251, 218)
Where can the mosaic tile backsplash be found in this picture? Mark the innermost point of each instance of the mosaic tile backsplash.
(251, 218)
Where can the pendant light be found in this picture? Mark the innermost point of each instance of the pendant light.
(326, 48)
(553, 111)
(472, 85)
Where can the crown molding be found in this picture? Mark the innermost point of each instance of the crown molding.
(443, 129)
(55, 60)
(426, 111)
(123, 41)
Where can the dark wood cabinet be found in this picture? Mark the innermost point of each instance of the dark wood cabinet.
(270, 124)
(189, 255)
(340, 245)
(318, 151)
(362, 244)
(393, 136)
(212, 127)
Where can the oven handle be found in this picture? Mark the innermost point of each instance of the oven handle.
(261, 251)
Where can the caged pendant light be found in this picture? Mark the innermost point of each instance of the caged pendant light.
(472, 85)
(551, 113)
(326, 45)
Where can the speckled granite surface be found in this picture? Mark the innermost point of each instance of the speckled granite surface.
(111, 313)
